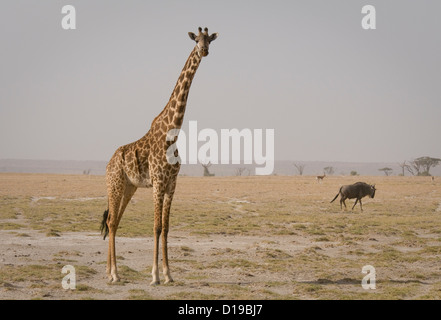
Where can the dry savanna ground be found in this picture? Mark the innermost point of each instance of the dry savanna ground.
(268, 237)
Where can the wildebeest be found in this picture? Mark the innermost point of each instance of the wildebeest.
(357, 190)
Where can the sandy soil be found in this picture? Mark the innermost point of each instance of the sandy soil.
(316, 252)
(89, 249)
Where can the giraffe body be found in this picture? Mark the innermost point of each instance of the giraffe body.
(143, 164)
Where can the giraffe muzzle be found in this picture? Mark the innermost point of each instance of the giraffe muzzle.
(204, 52)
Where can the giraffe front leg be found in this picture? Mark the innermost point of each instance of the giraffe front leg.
(165, 267)
(155, 270)
(165, 225)
(157, 228)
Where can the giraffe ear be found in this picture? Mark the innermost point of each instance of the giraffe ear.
(192, 36)
(213, 37)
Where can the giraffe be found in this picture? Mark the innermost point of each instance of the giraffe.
(143, 164)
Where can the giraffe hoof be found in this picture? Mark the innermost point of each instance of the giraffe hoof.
(113, 278)
(154, 283)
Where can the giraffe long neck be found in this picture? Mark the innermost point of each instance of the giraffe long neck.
(173, 113)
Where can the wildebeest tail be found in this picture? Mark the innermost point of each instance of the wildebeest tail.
(336, 196)
(104, 226)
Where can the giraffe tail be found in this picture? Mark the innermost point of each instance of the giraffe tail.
(104, 226)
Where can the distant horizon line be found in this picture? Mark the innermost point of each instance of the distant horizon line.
(283, 160)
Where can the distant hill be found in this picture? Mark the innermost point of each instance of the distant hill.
(280, 167)
(53, 166)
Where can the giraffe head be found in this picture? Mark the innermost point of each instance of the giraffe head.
(203, 40)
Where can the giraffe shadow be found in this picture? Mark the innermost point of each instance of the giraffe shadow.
(351, 281)
(322, 281)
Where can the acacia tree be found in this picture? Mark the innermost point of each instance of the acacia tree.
(414, 168)
(300, 168)
(207, 173)
(403, 167)
(387, 171)
(239, 171)
(421, 166)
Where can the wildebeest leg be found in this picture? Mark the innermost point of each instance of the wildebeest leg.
(342, 200)
(355, 203)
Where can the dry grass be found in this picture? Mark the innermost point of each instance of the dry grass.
(287, 240)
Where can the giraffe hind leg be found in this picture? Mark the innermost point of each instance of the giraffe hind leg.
(114, 201)
(157, 229)
(117, 205)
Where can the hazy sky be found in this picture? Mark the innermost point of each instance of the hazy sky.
(331, 90)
